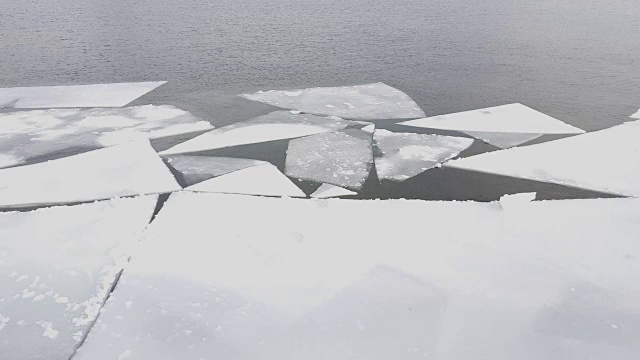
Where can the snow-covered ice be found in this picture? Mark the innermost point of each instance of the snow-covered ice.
(511, 201)
(404, 155)
(590, 161)
(129, 169)
(636, 115)
(440, 280)
(342, 158)
(277, 125)
(359, 102)
(195, 169)
(503, 126)
(57, 266)
(328, 191)
(69, 96)
(265, 180)
(28, 134)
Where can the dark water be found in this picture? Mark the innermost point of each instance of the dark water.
(576, 60)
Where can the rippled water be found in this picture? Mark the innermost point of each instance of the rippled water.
(575, 60)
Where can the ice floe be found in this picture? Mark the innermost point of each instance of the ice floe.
(503, 126)
(404, 155)
(123, 170)
(342, 158)
(636, 115)
(70, 96)
(265, 180)
(57, 267)
(511, 201)
(195, 169)
(29, 134)
(589, 161)
(277, 125)
(328, 191)
(359, 102)
(546, 280)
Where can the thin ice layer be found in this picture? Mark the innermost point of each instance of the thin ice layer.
(329, 191)
(264, 180)
(57, 266)
(551, 280)
(359, 102)
(587, 161)
(122, 170)
(636, 115)
(30, 134)
(487, 124)
(70, 96)
(277, 125)
(341, 158)
(404, 155)
(195, 169)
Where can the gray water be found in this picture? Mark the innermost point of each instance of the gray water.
(576, 60)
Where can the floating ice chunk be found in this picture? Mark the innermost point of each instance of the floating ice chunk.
(361, 102)
(369, 128)
(341, 158)
(513, 200)
(264, 180)
(636, 115)
(28, 134)
(522, 124)
(329, 191)
(404, 155)
(69, 96)
(195, 169)
(587, 161)
(548, 278)
(93, 241)
(277, 125)
(122, 170)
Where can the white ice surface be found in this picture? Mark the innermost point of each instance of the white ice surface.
(265, 180)
(591, 161)
(195, 169)
(341, 158)
(329, 191)
(636, 115)
(359, 102)
(404, 155)
(490, 124)
(277, 125)
(69, 96)
(511, 201)
(57, 266)
(301, 279)
(29, 134)
(123, 170)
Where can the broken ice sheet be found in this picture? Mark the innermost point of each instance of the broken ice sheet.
(636, 115)
(404, 155)
(586, 161)
(502, 126)
(264, 180)
(123, 170)
(329, 191)
(359, 102)
(277, 125)
(57, 266)
(29, 134)
(70, 96)
(195, 169)
(341, 158)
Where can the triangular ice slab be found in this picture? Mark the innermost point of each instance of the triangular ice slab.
(195, 169)
(516, 119)
(70, 96)
(404, 155)
(636, 115)
(341, 158)
(122, 170)
(328, 191)
(264, 180)
(277, 125)
(57, 267)
(359, 102)
(587, 161)
(29, 134)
